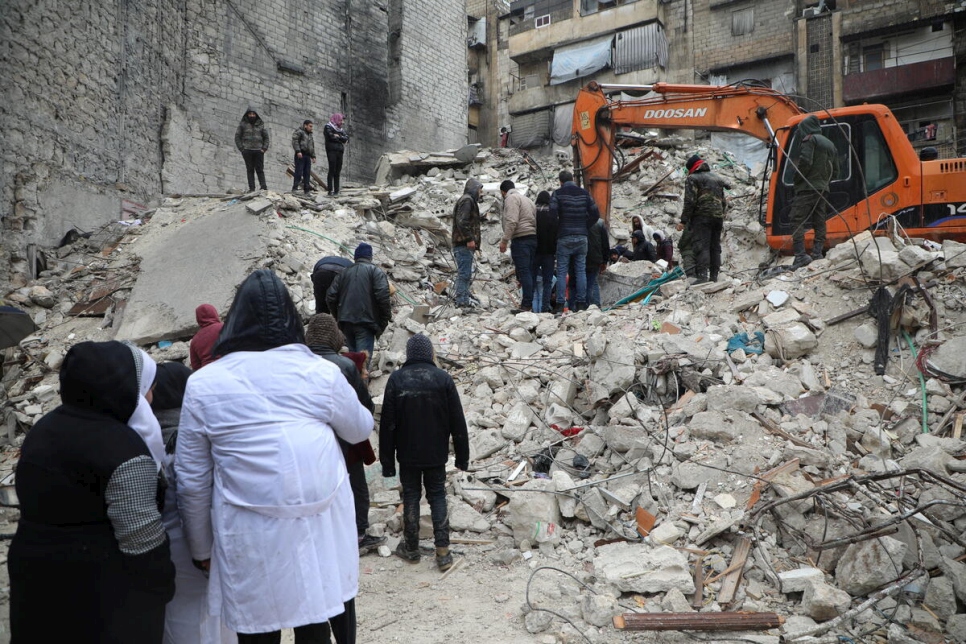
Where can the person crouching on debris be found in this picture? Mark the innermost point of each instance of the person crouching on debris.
(324, 338)
(466, 239)
(90, 561)
(186, 618)
(703, 212)
(421, 410)
(262, 485)
(199, 350)
(664, 247)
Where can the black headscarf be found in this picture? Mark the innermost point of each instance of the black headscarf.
(169, 385)
(102, 377)
(262, 317)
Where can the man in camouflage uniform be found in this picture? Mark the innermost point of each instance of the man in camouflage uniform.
(815, 163)
(703, 216)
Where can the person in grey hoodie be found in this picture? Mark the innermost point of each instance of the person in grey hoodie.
(252, 140)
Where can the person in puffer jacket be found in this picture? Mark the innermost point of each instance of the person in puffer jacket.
(359, 300)
(466, 239)
(252, 140)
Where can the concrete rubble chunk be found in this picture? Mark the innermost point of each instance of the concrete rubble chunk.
(614, 370)
(732, 397)
(485, 443)
(822, 602)
(790, 342)
(518, 421)
(867, 565)
(950, 357)
(665, 534)
(599, 610)
(259, 205)
(464, 518)
(638, 568)
(956, 572)
(530, 505)
(796, 581)
(867, 335)
(954, 254)
(941, 598)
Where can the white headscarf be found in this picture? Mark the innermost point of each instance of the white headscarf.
(143, 420)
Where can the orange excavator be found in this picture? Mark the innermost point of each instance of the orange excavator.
(881, 180)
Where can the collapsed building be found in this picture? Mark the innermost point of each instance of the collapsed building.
(775, 443)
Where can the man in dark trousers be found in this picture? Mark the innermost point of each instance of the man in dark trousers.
(466, 239)
(359, 300)
(252, 139)
(520, 231)
(304, 145)
(323, 337)
(815, 163)
(421, 410)
(703, 213)
(576, 212)
(598, 250)
(323, 274)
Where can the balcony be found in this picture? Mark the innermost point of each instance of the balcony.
(538, 44)
(902, 79)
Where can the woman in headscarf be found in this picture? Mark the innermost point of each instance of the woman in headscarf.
(640, 236)
(335, 140)
(664, 247)
(262, 486)
(186, 619)
(90, 560)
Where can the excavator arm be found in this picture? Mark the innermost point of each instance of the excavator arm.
(753, 110)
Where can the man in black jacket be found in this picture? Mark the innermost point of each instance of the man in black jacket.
(252, 140)
(576, 212)
(359, 300)
(323, 274)
(323, 337)
(421, 409)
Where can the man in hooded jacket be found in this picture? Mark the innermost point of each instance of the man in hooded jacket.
(262, 484)
(815, 164)
(466, 239)
(252, 140)
(421, 410)
(359, 300)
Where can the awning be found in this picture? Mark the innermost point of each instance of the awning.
(642, 47)
(581, 59)
(563, 123)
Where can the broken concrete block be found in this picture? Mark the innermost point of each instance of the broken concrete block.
(42, 296)
(790, 342)
(621, 438)
(867, 565)
(522, 350)
(867, 335)
(464, 518)
(915, 256)
(665, 534)
(563, 389)
(675, 602)
(954, 254)
(823, 602)
(781, 318)
(927, 457)
(614, 371)
(732, 397)
(956, 628)
(956, 572)
(485, 443)
(259, 205)
(590, 444)
(689, 476)
(723, 427)
(638, 568)
(941, 597)
(595, 508)
(950, 357)
(537, 621)
(518, 421)
(599, 610)
(796, 581)
(532, 504)
(563, 483)
(625, 407)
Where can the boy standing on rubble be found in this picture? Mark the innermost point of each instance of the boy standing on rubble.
(421, 409)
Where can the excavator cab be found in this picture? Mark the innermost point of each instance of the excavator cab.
(866, 167)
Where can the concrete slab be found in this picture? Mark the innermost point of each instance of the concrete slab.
(187, 263)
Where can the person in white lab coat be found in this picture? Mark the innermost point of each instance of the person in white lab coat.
(262, 485)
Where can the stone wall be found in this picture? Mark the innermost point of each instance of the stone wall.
(125, 100)
(717, 48)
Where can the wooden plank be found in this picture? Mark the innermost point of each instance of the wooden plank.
(738, 621)
(729, 587)
(697, 601)
(958, 426)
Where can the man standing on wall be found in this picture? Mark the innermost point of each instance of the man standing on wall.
(252, 139)
(703, 213)
(304, 145)
(816, 163)
(520, 230)
(576, 212)
(466, 239)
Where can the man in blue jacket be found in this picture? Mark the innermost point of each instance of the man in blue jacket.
(576, 212)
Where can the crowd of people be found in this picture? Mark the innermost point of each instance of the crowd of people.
(252, 139)
(228, 501)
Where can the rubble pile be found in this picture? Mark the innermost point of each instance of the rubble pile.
(758, 444)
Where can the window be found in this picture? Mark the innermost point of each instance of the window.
(873, 57)
(541, 21)
(743, 21)
(880, 169)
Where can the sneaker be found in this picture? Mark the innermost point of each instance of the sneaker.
(444, 559)
(368, 543)
(406, 554)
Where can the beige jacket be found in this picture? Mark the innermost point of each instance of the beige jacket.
(519, 216)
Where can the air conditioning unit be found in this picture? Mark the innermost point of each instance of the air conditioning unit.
(810, 12)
